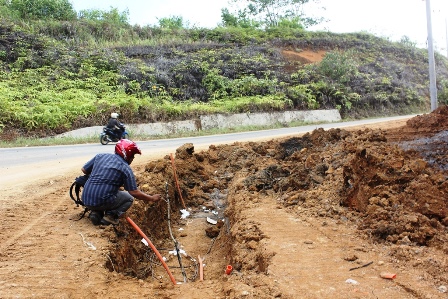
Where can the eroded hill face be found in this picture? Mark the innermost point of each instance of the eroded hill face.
(388, 183)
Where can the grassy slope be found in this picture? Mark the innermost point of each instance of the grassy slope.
(59, 76)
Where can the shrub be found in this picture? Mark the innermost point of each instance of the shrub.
(339, 66)
(302, 96)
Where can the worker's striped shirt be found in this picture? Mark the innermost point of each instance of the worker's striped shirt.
(108, 172)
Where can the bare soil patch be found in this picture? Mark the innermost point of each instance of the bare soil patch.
(321, 215)
(305, 56)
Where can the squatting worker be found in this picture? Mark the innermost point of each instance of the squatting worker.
(107, 173)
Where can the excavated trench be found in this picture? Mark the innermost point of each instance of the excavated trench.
(392, 185)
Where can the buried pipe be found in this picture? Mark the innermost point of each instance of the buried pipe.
(201, 268)
(176, 180)
(176, 244)
(153, 248)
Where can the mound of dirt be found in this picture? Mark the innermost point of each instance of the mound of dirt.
(389, 184)
(421, 126)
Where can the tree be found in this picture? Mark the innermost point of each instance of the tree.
(292, 23)
(173, 22)
(271, 12)
(241, 19)
(112, 16)
(43, 9)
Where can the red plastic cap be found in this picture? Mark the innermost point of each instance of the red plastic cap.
(229, 269)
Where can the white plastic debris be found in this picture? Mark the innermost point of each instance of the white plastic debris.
(351, 281)
(211, 221)
(185, 214)
(174, 252)
(87, 243)
(145, 242)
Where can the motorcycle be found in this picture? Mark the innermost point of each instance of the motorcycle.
(108, 135)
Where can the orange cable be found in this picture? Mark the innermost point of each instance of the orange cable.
(153, 248)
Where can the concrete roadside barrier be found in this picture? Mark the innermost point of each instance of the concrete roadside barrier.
(217, 121)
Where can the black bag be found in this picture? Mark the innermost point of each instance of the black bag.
(75, 192)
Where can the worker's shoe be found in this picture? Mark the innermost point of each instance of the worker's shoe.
(109, 219)
(95, 217)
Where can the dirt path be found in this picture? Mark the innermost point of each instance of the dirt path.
(281, 243)
(313, 257)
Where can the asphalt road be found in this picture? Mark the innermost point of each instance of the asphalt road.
(28, 156)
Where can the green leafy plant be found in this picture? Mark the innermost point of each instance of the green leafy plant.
(340, 66)
(302, 96)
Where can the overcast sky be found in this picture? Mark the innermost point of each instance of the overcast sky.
(392, 19)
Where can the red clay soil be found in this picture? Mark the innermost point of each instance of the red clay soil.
(390, 184)
(319, 215)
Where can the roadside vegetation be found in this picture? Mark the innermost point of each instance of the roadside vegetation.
(61, 70)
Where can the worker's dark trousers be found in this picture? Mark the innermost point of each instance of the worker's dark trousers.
(123, 201)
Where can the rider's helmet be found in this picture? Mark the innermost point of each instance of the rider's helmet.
(114, 115)
(126, 149)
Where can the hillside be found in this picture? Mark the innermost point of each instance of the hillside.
(324, 214)
(67, 75)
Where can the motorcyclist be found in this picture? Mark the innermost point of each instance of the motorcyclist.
(115, 125)
(107, 173)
